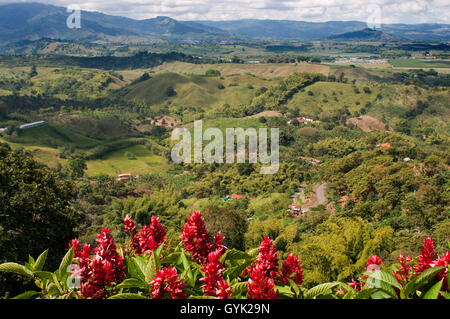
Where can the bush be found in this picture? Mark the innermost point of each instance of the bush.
(212, 72)
(201, 266)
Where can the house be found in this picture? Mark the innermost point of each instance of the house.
(235, 196)
(384, 145)
(124, 177)
(303, 120)
(33, 124)
(296, 209)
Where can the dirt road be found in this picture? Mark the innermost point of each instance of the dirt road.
(317, 199)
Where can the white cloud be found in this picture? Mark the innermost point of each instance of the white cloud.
(392, 11)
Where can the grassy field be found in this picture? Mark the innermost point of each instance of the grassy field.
(416, 63)
(46, 155)
(268, 70)
(329, 96)
(117, 162)
(198, 91)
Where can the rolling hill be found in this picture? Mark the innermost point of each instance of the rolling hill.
(366, 34)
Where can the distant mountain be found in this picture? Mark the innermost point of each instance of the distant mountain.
(31, 21)
(34, 21)
(366, 34)
(286, 29)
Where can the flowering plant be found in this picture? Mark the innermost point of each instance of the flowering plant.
(202, 267)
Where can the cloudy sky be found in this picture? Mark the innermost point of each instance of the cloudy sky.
(388, 11)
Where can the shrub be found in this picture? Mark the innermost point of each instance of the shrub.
(203, 267)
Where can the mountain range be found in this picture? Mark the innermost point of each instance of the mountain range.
(32, 21)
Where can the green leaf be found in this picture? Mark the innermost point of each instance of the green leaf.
(151, 268)
(364, 293)
(41, 261)
(284, 290)
(172, 258)
(202, 297)
(233, 272)
(31, 261)
(57, 284)
(44, 275)
(158, 250)
(253, 252)
(234, 254)
(445, 294)
(65, 263)
(140, 266)
(16, 269)
(433, 292)
(132, 283)
(420, 280)
(128, 296)
(380, 294)
(294, 286)
(380, 276)
(320, 289)
(27, 294)
(240, 289)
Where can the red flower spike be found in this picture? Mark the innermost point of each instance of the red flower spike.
(260, 286)
(291, 269)
(426, 256)
(197, 240)
(214, 284)
(166, 282)
(267, 258)
(373, 263)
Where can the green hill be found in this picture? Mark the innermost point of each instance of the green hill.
(196, 90)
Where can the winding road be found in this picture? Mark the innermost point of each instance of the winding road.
(317, 199)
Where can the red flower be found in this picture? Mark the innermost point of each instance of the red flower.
(442, 262)
(197, 240)
(373, 263)
(83, 258)
(291, 269)
(354, 284)
(129, 225)
(105, 268)
(260, 286)
(404, 269)
(267, 258)
(166, 282)
(426, 256)
(214, 284)
(151, 237)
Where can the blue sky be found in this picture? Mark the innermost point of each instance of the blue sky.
(388, 11)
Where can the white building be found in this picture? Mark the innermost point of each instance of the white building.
(33, 124)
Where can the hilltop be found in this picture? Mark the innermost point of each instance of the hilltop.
(366, 34)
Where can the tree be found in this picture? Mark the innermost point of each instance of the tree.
(231, 222)
(35, 212)
(339, 248)
(212, 72)
(403, 126)
(77, 166)
(33, 71)
(170, 91)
